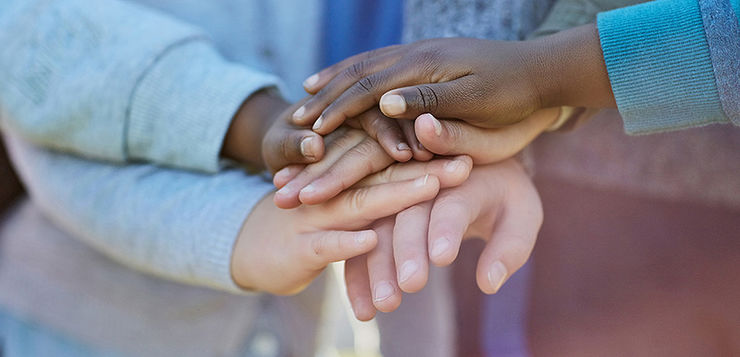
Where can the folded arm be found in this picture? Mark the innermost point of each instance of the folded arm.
(174, 224)
(115, 81)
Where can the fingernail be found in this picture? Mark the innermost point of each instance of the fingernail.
(357, 305)
(285, 171)
(452, 166)
(318, 123)
(286, 190)
(311, 81)
(437, 126)
(496, 275)
(361, 238)
(440, 247)
(393, 104)
(298, 114)
(383, 291)
(307, 148)
(309, 189)
(403, 147)
(407, 270)
(421, 181)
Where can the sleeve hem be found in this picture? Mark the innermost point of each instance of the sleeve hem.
(184, 104)
(659, 66)
(218, 252)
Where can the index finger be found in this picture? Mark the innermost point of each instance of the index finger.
(357, 208)
(316, 82)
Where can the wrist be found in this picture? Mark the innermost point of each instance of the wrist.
(248, 259)
(573, 70)
(243, 140)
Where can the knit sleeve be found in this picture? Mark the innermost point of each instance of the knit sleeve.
(117, 81)
(174, 224)
(661, 67)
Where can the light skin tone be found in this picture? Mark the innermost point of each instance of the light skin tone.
(507, 217)
(485, 83)
(321, 182)
(360, 155)
(280, 258)
(373, 281)
(442, 137)
(347, 147)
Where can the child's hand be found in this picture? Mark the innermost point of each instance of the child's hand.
(264, 112)
(508, 216)
(396, 137)
(351, 155)
(485, 83)
(281, 251)
(261, 134)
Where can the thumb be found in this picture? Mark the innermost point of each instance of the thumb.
(454, 137)
(292, 146)
(444, 100)
(322, 248)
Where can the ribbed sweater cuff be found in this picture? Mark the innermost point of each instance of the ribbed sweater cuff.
(215, 248)
(659, 66)
(183, 105)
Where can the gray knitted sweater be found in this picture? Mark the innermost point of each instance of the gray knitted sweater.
(491, 19)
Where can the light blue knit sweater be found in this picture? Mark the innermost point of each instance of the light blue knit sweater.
(115, 82)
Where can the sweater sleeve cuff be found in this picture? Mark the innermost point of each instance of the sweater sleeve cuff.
(183, 105)
(659, 66)
(217, 246)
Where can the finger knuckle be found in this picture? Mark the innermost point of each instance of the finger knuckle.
(388, 174)
(371, 154)
(367, 84)
(386, 125)
(367, 148)
(358, 199)
(428, 97)
(317, 247)
(355, 70)
(347, 140)
(287, 149)
(373, 125)
(453, 138)
(428, 57)
(323, 246)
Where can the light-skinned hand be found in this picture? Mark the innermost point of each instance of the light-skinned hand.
(351, 155)
(281, 251)
(498, 203)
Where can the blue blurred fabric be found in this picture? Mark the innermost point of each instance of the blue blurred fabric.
(356, 26)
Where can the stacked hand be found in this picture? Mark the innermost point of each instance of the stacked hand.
(344, 153)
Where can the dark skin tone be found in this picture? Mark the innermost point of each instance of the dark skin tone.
(262, 135)
(244, 141)
(484, 83)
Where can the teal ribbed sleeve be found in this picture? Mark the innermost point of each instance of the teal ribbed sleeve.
(660, 67)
